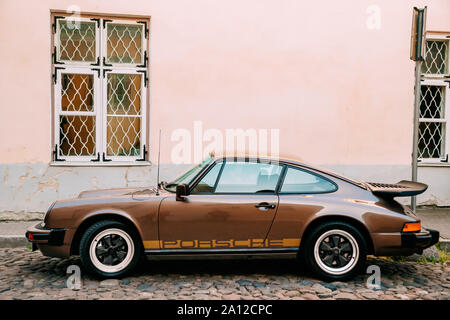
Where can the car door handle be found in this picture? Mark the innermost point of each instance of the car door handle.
(265, 205)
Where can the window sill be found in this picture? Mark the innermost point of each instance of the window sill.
(433, 164)
(99, 164)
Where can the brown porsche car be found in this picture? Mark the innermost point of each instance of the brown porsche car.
(232, 207)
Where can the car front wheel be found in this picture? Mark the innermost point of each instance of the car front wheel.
(335, 251)
(110, 249)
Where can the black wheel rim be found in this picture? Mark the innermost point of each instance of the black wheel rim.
(111, 249)
(335, 251)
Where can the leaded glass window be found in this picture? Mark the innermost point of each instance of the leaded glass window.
(100, 68)
(432, 138)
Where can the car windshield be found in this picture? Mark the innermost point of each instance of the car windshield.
(188, 175)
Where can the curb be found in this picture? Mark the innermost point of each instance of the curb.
(12, 241)
(445, 245)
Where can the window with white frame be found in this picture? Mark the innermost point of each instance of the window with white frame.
(434, 140)
(100, 78)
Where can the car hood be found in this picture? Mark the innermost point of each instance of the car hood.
(117, 192)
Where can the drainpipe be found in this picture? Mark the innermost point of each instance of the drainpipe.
(415, 152)
(417, 52)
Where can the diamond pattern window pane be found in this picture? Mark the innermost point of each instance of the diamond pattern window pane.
(77, 92)
(436, 58)
(432, 102)
(431, 140)
(124, 43)
(77, 41)
(124, 94)
(123, 127)
(123, 136)
(76, 135)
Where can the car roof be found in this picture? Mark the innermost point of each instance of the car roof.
(250, 157)
(287, 161)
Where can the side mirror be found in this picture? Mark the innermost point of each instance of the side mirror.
(181, 192)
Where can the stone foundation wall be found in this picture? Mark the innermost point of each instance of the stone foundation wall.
(27, 190)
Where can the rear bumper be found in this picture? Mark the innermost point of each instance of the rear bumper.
(403, 243)
(419, 240)
(41, 235)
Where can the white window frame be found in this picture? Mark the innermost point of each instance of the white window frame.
(104, 43)
(57, 42)
(59, 112)
(100, 72)
(439, 80)
(439, 37)
(444, 120)
(142, 115)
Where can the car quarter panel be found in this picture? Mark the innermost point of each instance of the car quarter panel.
(297, 211)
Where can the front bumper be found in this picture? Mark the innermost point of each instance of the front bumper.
(39, 235)
(419, 240)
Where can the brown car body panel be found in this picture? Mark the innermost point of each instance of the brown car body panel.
(139, 206)
(231, 221)
(216, 217)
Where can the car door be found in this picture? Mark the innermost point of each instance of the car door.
(231, 207)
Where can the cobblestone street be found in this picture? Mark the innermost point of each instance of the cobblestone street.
(29, 275)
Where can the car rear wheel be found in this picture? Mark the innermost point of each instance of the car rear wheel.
(335, 251)
(110, 249)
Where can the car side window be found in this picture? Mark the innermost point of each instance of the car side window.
(248, 177)
(207, 183)
(300, 181)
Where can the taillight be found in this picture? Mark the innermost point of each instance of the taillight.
(412, 227)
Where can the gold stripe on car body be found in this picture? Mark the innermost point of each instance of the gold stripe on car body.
(151, 244)
(291, 242)
(222, 244)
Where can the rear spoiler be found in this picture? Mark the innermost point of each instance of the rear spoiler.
(402, 188)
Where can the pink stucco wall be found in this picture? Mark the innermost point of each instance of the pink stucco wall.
(339, 92)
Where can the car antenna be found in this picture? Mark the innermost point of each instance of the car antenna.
(159, 158)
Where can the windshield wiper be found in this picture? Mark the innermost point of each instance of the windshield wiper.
(162, 183)
(169, 185)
